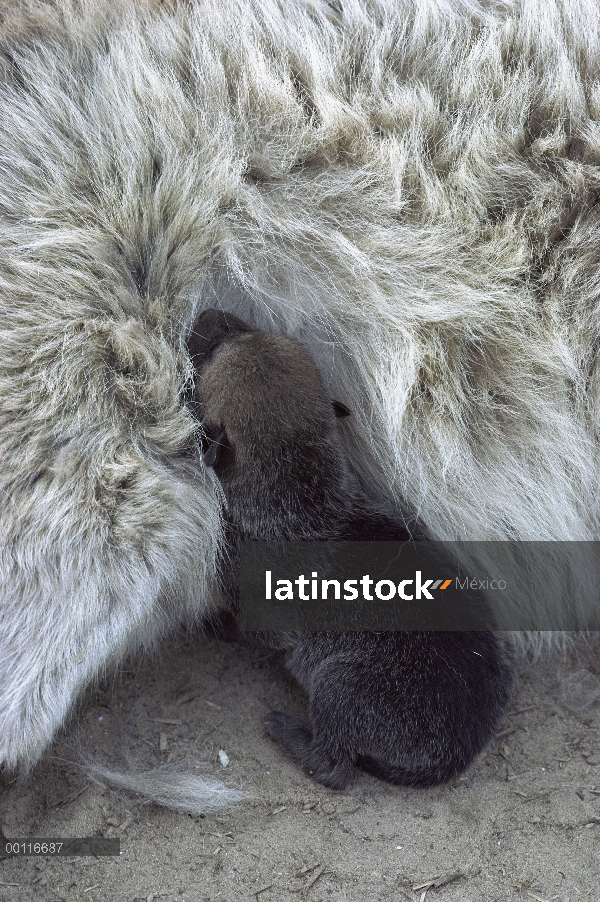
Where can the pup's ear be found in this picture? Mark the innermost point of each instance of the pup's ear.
(340, 409)
(211, 328)
(213, 448)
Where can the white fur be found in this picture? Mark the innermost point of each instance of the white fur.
(176, 789)
(410, 188)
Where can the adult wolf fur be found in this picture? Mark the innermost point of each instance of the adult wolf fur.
(408, 186)
(413, 708)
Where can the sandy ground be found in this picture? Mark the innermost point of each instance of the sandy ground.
(523, 823)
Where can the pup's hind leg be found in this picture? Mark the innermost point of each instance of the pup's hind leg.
(312, 755)
(328, 751)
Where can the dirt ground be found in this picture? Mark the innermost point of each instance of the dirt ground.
(523, 823)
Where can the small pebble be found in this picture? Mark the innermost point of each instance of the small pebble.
(223, 757)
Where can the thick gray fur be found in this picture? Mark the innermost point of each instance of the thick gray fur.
(409, 187)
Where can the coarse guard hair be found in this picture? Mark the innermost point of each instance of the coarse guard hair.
(409, 187)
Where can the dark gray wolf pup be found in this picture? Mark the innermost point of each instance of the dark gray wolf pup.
(410, 707)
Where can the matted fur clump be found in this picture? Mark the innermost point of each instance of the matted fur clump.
(409, 188)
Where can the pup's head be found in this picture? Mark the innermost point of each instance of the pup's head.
(270, 430)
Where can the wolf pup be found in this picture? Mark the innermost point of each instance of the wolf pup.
(410, 707)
